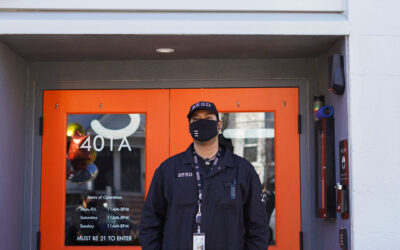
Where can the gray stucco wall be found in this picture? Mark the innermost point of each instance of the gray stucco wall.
(13, 82)
(328, 230)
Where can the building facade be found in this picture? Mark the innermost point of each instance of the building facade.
(68, 56)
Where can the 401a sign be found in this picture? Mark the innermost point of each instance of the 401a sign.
(98, 143)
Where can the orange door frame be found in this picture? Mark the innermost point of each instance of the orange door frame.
(57, 104)
(168, 138)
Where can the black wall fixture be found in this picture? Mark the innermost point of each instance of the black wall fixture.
(336, 74)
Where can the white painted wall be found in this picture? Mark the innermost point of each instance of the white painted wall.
(13, 82)
(375, 123)
(180, 23)
(179, 5)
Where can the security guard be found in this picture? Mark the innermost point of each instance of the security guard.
(205, 197)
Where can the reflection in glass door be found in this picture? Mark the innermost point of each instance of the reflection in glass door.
(251, 135)
(105, 179)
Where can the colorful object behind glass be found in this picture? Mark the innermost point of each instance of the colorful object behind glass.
(80, 167)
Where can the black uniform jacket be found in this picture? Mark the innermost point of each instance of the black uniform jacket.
(233, 215)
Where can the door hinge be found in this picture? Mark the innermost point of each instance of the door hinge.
(301, 240)
(299, 124)
(38, 240)
(41, 125)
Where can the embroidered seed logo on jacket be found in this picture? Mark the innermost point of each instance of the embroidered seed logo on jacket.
(201, 104)
(185, 174)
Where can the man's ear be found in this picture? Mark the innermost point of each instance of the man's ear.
(219, 126)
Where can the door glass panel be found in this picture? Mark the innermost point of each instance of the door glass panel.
(252, 136)
(105, 179)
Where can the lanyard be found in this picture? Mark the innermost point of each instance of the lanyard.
(200, 184)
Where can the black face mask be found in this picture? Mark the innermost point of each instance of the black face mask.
(203, 130)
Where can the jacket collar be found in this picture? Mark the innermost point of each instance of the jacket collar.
(227, 157)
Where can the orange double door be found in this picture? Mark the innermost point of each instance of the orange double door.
(101, 147)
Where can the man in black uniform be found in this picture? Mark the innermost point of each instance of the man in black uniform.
(205, 197)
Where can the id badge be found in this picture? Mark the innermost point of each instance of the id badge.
(199, 241)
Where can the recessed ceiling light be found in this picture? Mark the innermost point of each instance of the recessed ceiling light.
(165, 50)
